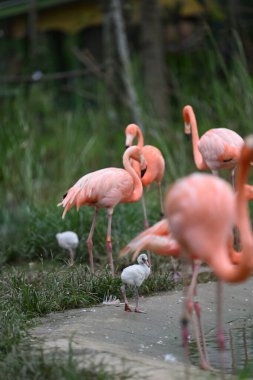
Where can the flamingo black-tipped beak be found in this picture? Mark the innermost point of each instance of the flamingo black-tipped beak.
(127, 146)
(188, 136)
(148, 263)
(143, 171)
(64, 196)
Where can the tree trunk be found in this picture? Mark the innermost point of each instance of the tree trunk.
(32, 27)
(108, 45)
(153, 57)
(127, 75)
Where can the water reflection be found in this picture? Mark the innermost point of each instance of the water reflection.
(239, 346)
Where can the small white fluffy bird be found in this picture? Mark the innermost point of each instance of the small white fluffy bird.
(68, 240)
(134, 275)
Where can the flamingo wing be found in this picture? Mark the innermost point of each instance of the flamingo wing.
(220, 148)
(102, 188)
(157, 239)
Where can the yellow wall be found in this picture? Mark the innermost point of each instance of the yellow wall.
(71, 18)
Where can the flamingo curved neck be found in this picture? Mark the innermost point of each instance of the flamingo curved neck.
(222, 264)
(226, 270)
(138, 189)
(140, 138)
(192, 128)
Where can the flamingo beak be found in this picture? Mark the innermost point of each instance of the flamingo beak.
(148, 263)
(187, 131)
(129, 140)
(127, 146)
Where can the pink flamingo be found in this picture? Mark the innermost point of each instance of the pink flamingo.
(202, 210)
(106, 188)
(155, 164)
(161, 241)
(217, 149)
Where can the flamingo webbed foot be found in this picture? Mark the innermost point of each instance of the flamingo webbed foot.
(127, 307)
(206, 366)
(137, 310)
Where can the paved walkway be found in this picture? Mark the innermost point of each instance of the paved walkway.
(150, 344)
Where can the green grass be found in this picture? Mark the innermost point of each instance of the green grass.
(26, 364)
(29, 293)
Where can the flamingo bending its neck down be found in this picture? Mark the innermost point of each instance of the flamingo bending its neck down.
(134, 275)
(216, 149)
(106, 188)
(155, 164)
(201, 211)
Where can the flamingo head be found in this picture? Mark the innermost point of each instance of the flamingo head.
(143, 259)
(135, 153)
(131, 133)
(187, 111)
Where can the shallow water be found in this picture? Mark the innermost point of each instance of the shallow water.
(239, 346)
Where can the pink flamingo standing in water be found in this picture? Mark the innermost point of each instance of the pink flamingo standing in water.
(155, 164)
(201, 211)
(217, 149)
(106, 188)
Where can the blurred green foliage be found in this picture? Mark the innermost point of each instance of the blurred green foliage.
(46, 147)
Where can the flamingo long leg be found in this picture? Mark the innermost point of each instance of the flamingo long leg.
(71, 257)
(205, 364)
(190, 305)
(161, 198)
(123, 291)
(108, 240)
(197, 308)
(89, 240)
(146, 224)
(137, 310)
(136, 298)
(185, 317)
(220, 330)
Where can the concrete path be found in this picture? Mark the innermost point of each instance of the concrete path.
(150, 344)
